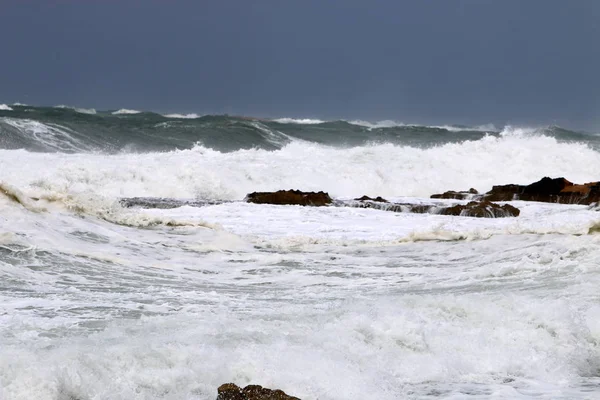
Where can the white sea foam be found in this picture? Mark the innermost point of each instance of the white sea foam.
(125, 111)
(487, 128)
(99, 301)
(301, 121)
(386, 169)
(182, 116)
(508, 317)
(4, 107)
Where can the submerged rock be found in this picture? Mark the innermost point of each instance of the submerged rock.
(231, 391)
(165, 203)
(478, 209)
(296, 197)
(548, 190)
(470, 194)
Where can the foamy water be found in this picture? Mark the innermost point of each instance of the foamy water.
(102, 302)
(387, 170)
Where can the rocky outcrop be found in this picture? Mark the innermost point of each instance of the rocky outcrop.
(482, 209)
(378, 199)
(548, 190)
(478, 209)
(470, 194)
(296, 197)
(230, 391)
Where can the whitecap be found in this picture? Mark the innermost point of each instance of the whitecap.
(182, 116)
(375, 125)
(300, 121)
(126, 111)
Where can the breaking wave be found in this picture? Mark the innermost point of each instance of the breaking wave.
(76, 130)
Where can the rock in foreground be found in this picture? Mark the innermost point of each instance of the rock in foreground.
(296, 197)
(482, 209)
(230, 391)
(478, 209)
(548, 190)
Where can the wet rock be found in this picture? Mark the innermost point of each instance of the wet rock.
(546, 186)
(470, 194)
(504, 193)
(377, 199)
(481, 209)
(548, 190)
(296, 197)
(230, 391)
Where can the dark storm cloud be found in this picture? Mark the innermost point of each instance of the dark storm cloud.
(470, 61)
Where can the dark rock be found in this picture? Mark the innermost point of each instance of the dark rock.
(471, 194)
(367, 198)
(548, 190)
(547, 186)
(482, 209)
(230, 391)
(290, 197)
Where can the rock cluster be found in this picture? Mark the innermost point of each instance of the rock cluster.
(482, 209)
(557, 190)
(478, 209)
(230, 391)
(548, 190)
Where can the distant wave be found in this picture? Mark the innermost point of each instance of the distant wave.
(375, 125)
(182, 116)
(90, 111)
(126, 111)
(76, 130)
(300, 121)
(4, 107)
(395, 124)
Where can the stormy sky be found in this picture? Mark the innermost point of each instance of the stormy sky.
(450, 61)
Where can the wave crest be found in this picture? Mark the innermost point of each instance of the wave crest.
(126, 111)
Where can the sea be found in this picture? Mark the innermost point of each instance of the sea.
(187, 286)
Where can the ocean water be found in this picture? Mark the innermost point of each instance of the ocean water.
(99, 301)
